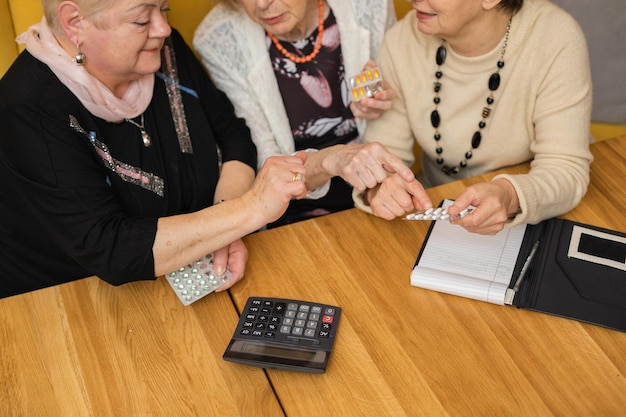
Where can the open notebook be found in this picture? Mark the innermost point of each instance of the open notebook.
(458, 262)
(569, 269)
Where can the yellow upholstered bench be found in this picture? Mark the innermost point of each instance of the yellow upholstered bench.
(8, 48)
(17, 15)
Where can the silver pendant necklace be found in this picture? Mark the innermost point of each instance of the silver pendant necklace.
(145, 137)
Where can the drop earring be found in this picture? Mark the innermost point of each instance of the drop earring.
(80, 57)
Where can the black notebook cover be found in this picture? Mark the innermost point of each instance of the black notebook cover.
(563, 285)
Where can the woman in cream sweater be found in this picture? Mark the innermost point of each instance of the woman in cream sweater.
(482, 85)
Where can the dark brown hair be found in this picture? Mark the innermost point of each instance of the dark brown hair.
(512, 6)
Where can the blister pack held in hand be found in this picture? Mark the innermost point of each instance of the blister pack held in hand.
(196, 280)
(438, 214)
(366, 84)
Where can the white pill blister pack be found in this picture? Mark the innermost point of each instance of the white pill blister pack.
(196, 280)
(438, 213)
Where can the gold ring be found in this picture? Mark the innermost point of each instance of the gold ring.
(296, 177)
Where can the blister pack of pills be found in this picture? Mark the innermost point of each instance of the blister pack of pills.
(196, 280)
(366, 84)
(438, 214)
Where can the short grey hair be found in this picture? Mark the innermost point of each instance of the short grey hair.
(90, 9)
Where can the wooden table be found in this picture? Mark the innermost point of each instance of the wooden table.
(89, 349)
(405, 351)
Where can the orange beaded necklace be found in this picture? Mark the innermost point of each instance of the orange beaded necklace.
(318, 42)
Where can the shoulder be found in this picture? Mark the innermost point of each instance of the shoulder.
(365, 12)
(402, 37)
(548, 40)
(406, 27)
(179, 44)
(227, 36)
(229, 42)
(369, 7)
(221, 21)
(30, 84)
(39, 115)
(541, 19)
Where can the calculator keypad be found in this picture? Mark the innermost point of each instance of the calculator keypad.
(288, 334)
(291, 320)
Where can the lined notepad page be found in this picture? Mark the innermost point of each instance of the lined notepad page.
(458, 262)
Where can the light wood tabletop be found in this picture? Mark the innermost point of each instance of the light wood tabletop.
(406, 351)
(89, 349)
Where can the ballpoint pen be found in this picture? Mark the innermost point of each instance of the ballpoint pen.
(510, 292)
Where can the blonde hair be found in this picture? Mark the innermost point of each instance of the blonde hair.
(90, 9)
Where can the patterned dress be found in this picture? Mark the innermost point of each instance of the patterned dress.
(315, 95)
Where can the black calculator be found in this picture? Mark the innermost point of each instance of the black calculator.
(284, 334)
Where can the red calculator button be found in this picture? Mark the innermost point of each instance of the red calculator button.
(327, 319)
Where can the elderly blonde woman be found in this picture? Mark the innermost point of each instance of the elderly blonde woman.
(483, 85)
(285, 65)
(115, 147)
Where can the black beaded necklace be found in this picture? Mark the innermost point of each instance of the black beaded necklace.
(435, 118)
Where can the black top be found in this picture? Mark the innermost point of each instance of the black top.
(80, 196)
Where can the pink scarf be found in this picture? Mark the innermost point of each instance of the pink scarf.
(95, 96)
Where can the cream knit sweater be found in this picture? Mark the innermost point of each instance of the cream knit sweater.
(541, 111)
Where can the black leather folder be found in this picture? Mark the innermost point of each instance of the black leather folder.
(578, 272)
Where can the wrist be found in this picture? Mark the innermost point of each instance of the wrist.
(369, 194)
(325, 162)
(512, 201)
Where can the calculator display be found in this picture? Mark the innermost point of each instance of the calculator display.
(284, 334)
(278, 352)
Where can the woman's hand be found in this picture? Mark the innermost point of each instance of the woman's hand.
(280, 179)
(496, 202)
(396, 196)
(371, 108)
(233, 257)
(364, 165)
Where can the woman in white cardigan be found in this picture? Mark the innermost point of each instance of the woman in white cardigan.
(285, 65)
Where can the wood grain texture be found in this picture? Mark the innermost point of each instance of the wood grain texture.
(89, 349)
(406, 351)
